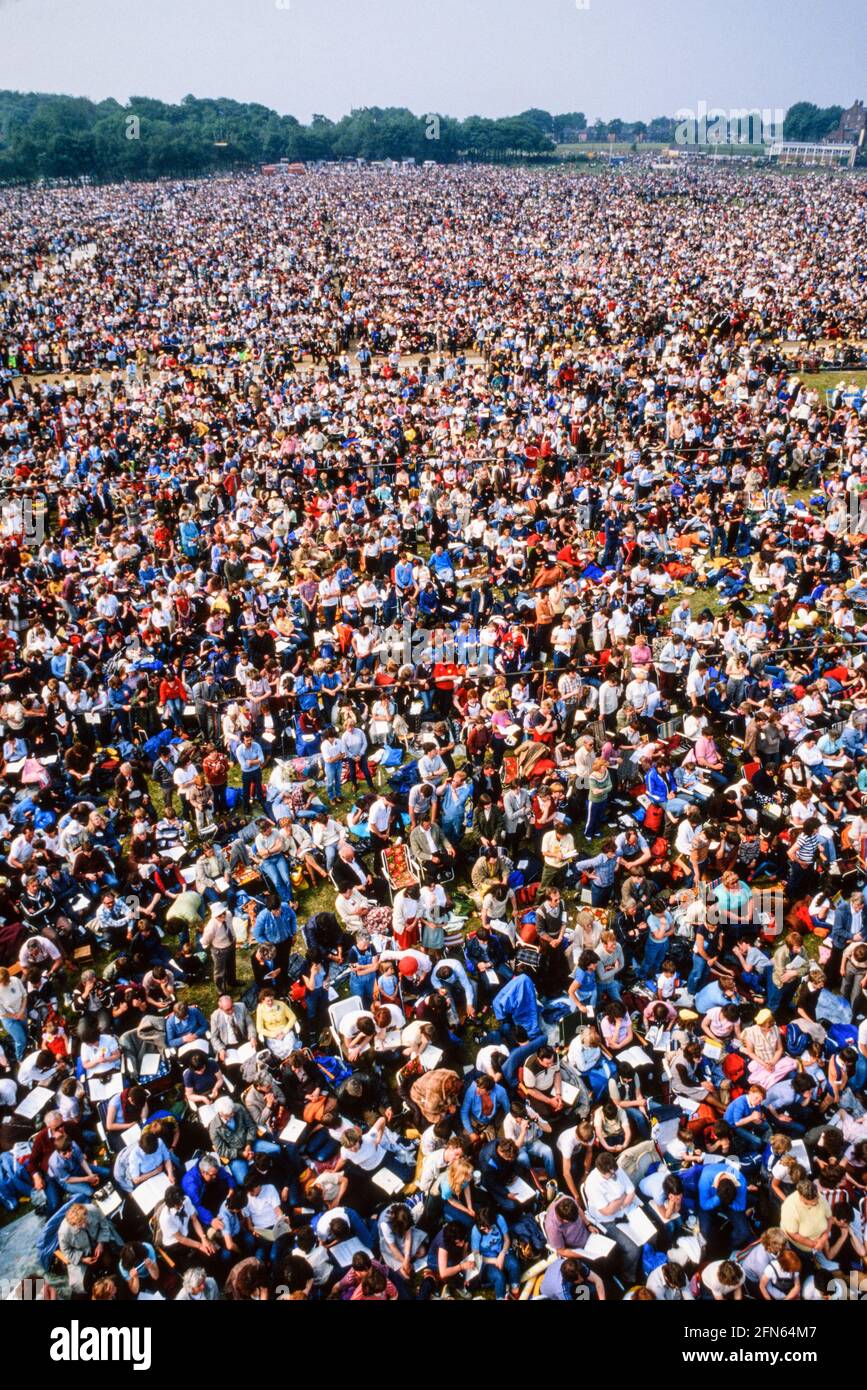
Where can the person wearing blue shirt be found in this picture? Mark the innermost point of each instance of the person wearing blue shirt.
(428, 601)
(251, 760)
(660, 930)
(442, 565)
(362, 961)
(570, 1280)
(603, 869)
(207, 1184)
(745, 1115)
(306, 692)
(119, 702)
(184, 1024)
(78, 1176)
(147, 1157)
(584, 989)
(486, 1104)
(61, 664)
(517, 1006)
(850, 924)
(276, 927)
(453, 806)
(713, 996)
(404, 575)
(501, 1271)
(722, 1192)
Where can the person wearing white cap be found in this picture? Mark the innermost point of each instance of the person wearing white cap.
(219, 938)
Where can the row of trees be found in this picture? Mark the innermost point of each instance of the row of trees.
(804, 121)
(66, 137)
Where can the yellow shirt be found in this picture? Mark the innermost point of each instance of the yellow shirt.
(798, 1220)
(272, 1019)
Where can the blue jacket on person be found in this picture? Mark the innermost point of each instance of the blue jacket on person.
(471, 1110)
(195, 1022)
(841, 931)
(707, 1193)
(270, 928)
(193, 1184)
(658, 787)
(517, 1001)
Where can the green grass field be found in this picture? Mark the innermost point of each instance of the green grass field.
(595, 147)
(824, 381)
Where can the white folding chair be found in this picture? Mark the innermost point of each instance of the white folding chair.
(337, 1011)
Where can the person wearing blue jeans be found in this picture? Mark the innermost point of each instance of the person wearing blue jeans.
(15, 1182)
(240, 1167)
(276, 870)
(174, 712)
(72, 1172)
(251, 760)
(595, 817)
(659, 933)
(333, 778)
(526, 1133)
(779, 996)
(704, 955)
(490, 1240)
(16, 1030)
(13, 1011)
(610, 989)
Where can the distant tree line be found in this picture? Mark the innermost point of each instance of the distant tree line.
(56, 137)
(804, 121)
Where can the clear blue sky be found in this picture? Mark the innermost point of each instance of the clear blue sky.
(629, 58)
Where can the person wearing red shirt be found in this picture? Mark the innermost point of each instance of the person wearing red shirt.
(173, 696)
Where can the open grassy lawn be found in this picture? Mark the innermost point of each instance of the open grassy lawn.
(824, 381)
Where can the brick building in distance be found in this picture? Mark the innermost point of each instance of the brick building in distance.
(851, 128)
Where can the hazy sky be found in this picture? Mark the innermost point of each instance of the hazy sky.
(628, 58)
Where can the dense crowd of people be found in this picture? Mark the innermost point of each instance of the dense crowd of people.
(433, 785)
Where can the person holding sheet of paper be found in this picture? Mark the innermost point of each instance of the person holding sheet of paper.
(148, 1156)
(491, 1242)
(609, 1193)
(100, 1052)
(74, 1174)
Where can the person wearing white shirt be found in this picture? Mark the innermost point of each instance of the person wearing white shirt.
(100, 1057)
(642, 695)
(669, 1283)
(609, 699)
(599, 630)
(327, 834)
(558, 849)
(263, 1209)
(620, 624)
(432, 769)
(406, 917)
(363, 1150)
(379, 820)
(696, 685)
(180, 1228)
(609, 1193)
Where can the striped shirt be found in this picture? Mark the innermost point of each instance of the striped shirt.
(806, 848)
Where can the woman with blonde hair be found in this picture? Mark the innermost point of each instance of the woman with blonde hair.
(756, 1258)
(456, 1191)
